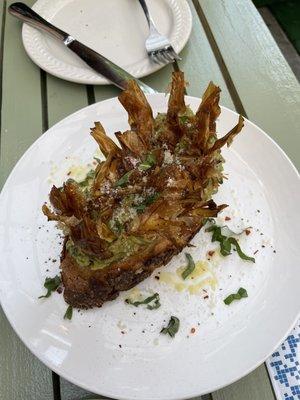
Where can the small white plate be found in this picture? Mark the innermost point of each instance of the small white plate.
(228, 342)
(116, 29)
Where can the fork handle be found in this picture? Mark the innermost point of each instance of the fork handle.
(147, 14)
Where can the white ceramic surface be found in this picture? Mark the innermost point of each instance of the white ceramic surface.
(229, 341)
(115, 28)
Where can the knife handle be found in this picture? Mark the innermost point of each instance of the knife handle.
(26, 14)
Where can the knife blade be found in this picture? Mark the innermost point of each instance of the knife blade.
(96, 61)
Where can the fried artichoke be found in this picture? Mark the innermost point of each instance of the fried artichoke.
(146, 201)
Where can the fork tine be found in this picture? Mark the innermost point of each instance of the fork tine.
(174, 54)
(153, 57)
(168, 56)
(161, 58)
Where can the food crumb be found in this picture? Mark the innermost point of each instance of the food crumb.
(263, 246)
(156, 277)
(274, 251)
(227, 218)
(206, 297)
(120, 346)
(247, 231)
(211, 253)
(123, 333)
(193, 330)
(256, 251)
(258, 211)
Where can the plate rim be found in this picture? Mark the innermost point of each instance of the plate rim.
(38, 53)
(94, 389)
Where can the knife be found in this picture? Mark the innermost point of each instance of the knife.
(96, 61)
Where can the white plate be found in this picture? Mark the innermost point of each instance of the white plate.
(115, 28)
(230, 340)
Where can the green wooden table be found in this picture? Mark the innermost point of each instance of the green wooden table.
(230, 45)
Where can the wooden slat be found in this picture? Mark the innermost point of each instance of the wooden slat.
(200, 65)
(60, 99)
(264, 81)
(255, 386)
(22, 376)
(64, 98)
(21, 103)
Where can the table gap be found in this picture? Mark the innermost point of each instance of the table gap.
(1, 60)
(44, 100)
(90, 91)
(56, 386)
(219, 58)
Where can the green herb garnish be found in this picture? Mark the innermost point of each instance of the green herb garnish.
(87, 180)
(149, 162)
(154, 299)
(190, 267)
(69, 313)
(226, 242)
(183, 119)
(124, 179)
(51, 284)
(172, 328)
(148, 200)
(119, 226)
(241, 293)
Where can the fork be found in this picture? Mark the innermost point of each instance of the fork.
(158, 47)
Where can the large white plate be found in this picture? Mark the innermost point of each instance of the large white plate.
(115, 28)
(230, 341)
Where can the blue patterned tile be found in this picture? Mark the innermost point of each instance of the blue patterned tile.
(284, 367)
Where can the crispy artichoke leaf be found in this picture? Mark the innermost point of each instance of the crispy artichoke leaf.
(68, 200)
(228, 138)
(176, 102)
(105, 143)
(131, 142)
(140, 115)
(207, 114)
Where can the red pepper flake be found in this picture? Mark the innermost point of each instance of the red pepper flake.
(227, 218)
(256, 251)
(211, 253)
(193, 330)
(247, 231)
(206, 297)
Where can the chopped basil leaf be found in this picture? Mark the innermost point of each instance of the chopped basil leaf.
(124, 179)
(190, 267)
(51, 284)
(148, 200)
(69, 313)
(241, 293)
(149, 162)
(154, 298)
(242, 255)
(172, 328)
(226, 242)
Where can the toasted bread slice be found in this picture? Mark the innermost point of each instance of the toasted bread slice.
(146, 201)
